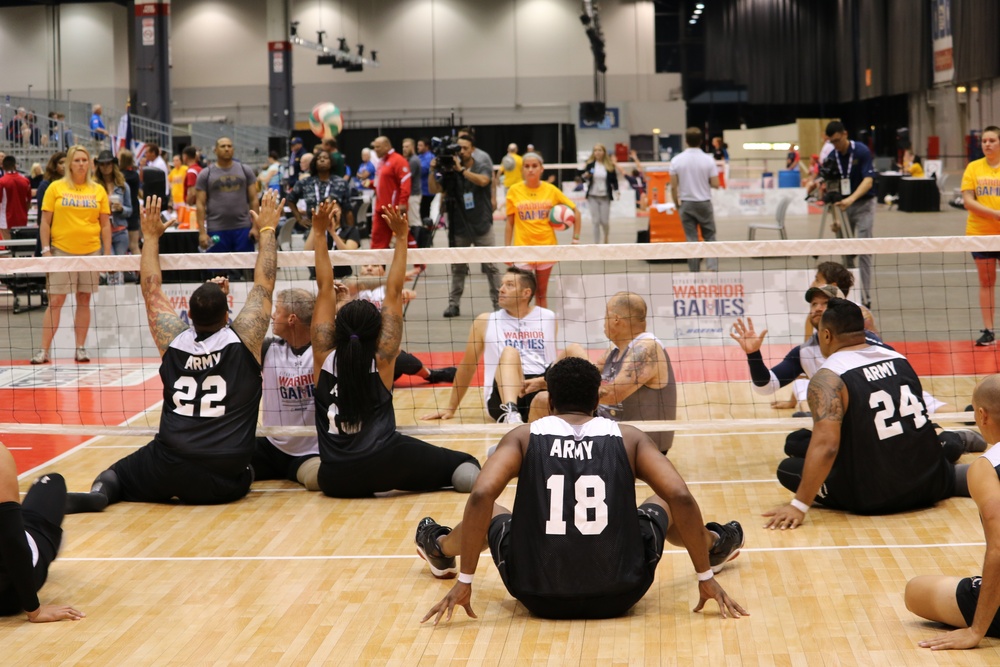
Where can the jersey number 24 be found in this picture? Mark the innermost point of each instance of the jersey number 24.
(886, 424)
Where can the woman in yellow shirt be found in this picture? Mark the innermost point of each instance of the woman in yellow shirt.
(76, 220)
(528, 206)
(981, 194)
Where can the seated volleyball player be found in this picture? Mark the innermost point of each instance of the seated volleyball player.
(30, 535)
(637, 379)
(354, 354)
(370, 286)
(970, 604)
(288, 394)
(519, 342)
(574, 545)
(873, 450)
(211, 373)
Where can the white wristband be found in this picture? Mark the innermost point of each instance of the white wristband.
(799, 505)
(464, 578)
(706, 575)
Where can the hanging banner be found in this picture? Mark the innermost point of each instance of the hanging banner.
(944, 62)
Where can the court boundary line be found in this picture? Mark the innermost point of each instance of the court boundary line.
(369, 557)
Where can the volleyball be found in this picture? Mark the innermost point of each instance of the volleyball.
(562, 217)
(508, 163)
(325, 120)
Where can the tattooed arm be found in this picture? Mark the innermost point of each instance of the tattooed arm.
(828, 403)
(164, 323)
(322, 329)
(639, 368)
(252, 322)
(392, 306)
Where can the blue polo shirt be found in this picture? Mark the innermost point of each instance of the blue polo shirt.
(425, 171)
(860, 166)
(96, 123)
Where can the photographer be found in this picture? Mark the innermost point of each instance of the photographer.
(849, 177)
(467, 187)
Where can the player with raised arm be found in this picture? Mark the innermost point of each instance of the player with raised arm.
(575, 546)
(354, 354)
(211, 374)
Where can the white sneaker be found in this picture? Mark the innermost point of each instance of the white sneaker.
(510, 414)
(41, 357)
(81, 355)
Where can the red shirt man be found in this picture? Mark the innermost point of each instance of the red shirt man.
(15, 197)
(391, 189)
(190, 158)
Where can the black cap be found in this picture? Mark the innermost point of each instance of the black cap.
(106, 157)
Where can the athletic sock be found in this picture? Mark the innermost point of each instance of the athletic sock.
(78, 503)
(308, 474)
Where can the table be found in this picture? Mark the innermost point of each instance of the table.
(181, 242)
(918, 195)
(888, 184)
(24, 284)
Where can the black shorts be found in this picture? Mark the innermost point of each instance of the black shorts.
(42, 507)
(269, 462)
(404, 463)
(967, 596)
(523, 402)
(653, 526)
(153, 474)
(986, 255)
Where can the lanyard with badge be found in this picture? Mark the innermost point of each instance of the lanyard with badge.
(845, 181)
(329, 184)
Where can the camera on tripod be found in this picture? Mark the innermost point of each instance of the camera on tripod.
(444, 149)
(829, 172)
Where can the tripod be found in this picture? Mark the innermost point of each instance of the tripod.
(843, 231)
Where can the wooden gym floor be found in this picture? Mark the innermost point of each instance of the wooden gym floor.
(291, 577)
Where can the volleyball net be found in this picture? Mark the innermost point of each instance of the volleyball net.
(924, 300)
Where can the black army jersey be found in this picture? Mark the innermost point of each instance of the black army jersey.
(574, 530)
(211, 395)
(340, 442)
(890, 459)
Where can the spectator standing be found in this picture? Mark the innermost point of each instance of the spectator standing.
(364, 175)
(339, 167)
(15, 127)
(511, 167)
(392, 190)
(601, 175)
(466, 187)
(126, 163)
(270, 178)
(35, 176)
(15, 197)
(226, 192)
(425, 154)
(76, 220)
(981, 196)
(693, 174)
(154, 158)
(190, 157)
(177, 174)
(416, 173)
(294, 155)
(97, 130)
(111, 178)
(719, 152)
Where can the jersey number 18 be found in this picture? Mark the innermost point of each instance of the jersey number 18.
(590, 494)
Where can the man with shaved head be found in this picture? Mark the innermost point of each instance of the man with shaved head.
(970, 604)
(637, 379)
(392, 188)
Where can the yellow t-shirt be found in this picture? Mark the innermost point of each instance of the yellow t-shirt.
(514, 176)
(916, 171)
(76, 215)
(177, 184)
(530, 208)
(984, 181)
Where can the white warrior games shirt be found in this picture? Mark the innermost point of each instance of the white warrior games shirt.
(289, 395)
(533, 336)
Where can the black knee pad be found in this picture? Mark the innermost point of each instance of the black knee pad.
(108, 484)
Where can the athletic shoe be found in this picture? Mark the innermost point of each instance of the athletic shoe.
(969, 408)
(452, 311)
(510, 414)
(428, 532)
(972, 441)
(986, 339)
(802, 414)
(442, 375)
(41, 357)
(727, 547)
(81, 355)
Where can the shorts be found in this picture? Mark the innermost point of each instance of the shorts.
(523, 402)
(967, 596)
(71, 282)
(269, 462)
(535, 266)
(231, 240)
(986, 255)
(653, 525)
(154, 474)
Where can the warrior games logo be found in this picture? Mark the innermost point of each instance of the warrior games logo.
(700, 306)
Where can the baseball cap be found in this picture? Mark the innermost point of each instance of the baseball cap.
(832, 291)
(296, 140)
(105, 157)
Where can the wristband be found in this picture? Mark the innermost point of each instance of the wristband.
(799, 505)
(266, 229)
(47, 249)
(706, 575)
(464, 578)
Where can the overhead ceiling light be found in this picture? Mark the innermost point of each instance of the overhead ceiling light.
(692, 21)
(960, 89)
(698, 12)
(699, 6)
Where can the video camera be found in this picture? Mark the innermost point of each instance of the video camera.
(444, 148)
(829, 172)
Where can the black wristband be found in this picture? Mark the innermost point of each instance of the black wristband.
(759, 373)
